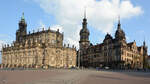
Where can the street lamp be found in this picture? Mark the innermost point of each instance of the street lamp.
(79, 59)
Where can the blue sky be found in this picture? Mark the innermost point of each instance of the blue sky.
(42, 13)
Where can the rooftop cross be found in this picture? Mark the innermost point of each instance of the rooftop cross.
(22, 18)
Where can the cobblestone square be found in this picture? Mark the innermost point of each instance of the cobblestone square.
(61, 76)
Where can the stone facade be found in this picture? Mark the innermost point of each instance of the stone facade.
(38, 49)
(113, 52)
(149, 61)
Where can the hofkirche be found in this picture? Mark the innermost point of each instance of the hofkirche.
(41, 49)
(45, 49)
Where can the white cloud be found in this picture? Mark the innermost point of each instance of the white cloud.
(127, 38)
(101, 14)
(41, 25)
(1, 44)
(56, 27)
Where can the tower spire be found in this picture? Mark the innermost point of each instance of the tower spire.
(84, 23)
(144, 43)
(119, 19)
(85, 13)
(119, 24)
(22, 17)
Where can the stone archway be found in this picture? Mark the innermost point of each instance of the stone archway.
(12, 66)
(25, 66)
(6, 66)
(15, 65)
(30, 66)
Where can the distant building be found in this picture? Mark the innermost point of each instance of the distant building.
(149, 61)
(38, 49)
(113, 52)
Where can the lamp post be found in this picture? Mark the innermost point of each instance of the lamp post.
(79, 59)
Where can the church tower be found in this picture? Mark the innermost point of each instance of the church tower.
(120, 35)
(145, 55)
(22, 31)
(84, 34)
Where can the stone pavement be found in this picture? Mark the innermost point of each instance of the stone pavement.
(61, 76)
